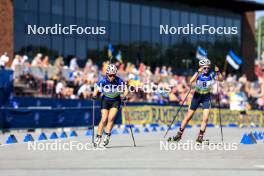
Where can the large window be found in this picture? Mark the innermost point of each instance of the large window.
(131, 26)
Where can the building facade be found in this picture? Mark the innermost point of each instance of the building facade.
(133, 27)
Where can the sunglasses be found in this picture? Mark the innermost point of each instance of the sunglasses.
(206, 68)
(112, 75)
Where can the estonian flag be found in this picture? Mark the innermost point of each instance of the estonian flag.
(110, 51)
(119, 57)
(233, 60)
(201, 53)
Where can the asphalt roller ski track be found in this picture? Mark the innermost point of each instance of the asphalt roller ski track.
(121, 158)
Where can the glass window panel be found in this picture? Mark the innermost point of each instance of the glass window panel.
(114, 17)
(57, 44)
(146, 35)
(193, 20)
(125, 13)
(125, 32)
(19, 20)
(31, 18)
(32, 5)
(203, 21)
(69, 9)
(135, 31)
(145, 13)
(57, 7)
(57, 19)
(81, 48)
(92, 9)
(103, 10)
(19, 41)
(156, 36)
(175, 21)
(102, 45)
(19, 4)
(184, 16)
(69, 46)
(44, 19)
(114, 32)
(135, 18)
(44, 41)
(80, 8)
(165, 17)
(211, 22)
(45, 6)
(155, 17)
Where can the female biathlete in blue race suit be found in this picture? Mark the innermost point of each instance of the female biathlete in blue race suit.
(111, 86)
(204, 79)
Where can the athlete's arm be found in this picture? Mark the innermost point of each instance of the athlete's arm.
(195, 76)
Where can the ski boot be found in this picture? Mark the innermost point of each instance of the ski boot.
(200, 140)
(97, 140)
(106, 140)
(176, 138)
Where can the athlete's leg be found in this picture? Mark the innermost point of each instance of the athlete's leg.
(110, 123)
(187, 118)
(111, 117)
(206, 113)
(103, 122)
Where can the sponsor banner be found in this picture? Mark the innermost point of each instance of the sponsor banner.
(165, 115)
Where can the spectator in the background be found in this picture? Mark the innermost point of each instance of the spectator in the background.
(3, 60)
(85, 90)
(239, 102)
(36, 62)
(16, 61)
(61, 88)
(59, 63)
(45, 62)
(73, 64)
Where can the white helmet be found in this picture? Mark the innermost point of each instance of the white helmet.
(111, 69)
(204, 62)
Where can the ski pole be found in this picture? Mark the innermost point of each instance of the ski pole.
(128, 119)
(178, 112)
(93, 121)
(219, 111)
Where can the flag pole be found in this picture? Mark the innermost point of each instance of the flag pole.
(225, 68)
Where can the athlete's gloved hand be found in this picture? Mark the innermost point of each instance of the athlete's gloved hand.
(200, 69)
(124, 99)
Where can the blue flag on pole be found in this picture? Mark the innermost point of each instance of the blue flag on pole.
(110, 51)
(233, 60)
(119, 57)
(201, 53)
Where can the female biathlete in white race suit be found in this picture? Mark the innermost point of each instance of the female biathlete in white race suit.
(204, 79)
(111, 86)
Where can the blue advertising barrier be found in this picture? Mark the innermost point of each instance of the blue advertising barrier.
(11, 118)
(6, 86)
